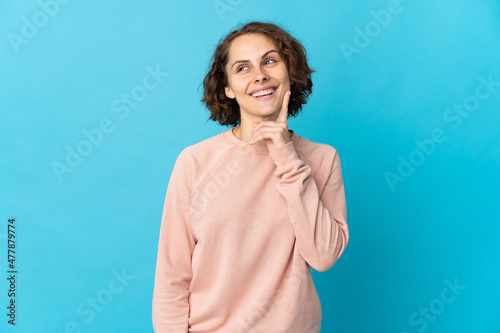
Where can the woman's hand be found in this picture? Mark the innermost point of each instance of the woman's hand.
(274, 132)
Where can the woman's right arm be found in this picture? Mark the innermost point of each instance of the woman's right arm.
(176, 244)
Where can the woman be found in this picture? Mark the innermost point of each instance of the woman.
(249, 211)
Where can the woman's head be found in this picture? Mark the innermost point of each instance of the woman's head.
(229, 82)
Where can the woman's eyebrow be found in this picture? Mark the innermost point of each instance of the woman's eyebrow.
(246, 60)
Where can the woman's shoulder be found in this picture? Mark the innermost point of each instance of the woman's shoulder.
(203, 151)
(313, 148)
(321, 155)
(202, 146)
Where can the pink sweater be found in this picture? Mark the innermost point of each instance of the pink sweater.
(241, 229)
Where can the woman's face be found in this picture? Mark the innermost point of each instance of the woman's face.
(254, 63)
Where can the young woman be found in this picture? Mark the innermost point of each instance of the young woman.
(249, 211)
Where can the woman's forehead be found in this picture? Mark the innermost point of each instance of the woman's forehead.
(251, 44)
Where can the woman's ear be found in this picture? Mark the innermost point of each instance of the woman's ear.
(229, 92)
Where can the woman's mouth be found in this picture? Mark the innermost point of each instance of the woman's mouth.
(264, 95)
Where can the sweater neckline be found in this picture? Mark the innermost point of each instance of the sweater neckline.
(256, 149)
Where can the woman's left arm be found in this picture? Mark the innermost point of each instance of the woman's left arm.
(318, 219)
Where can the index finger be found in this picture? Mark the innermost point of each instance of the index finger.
(283, 116)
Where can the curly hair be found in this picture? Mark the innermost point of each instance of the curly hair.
(226, 110)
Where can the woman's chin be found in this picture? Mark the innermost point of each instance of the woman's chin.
(267, 110)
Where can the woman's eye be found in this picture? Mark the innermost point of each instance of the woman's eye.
(267, 60)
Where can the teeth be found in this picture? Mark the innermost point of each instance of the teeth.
(263, 92)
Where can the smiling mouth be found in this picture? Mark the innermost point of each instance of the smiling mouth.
(264, 95)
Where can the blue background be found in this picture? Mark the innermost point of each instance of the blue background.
(76, 232)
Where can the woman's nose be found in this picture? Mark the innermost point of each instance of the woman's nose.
(261, 75)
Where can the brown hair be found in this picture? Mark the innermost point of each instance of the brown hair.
(226, 110)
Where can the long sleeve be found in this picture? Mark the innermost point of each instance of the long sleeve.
(318, 219)
(173, 274)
